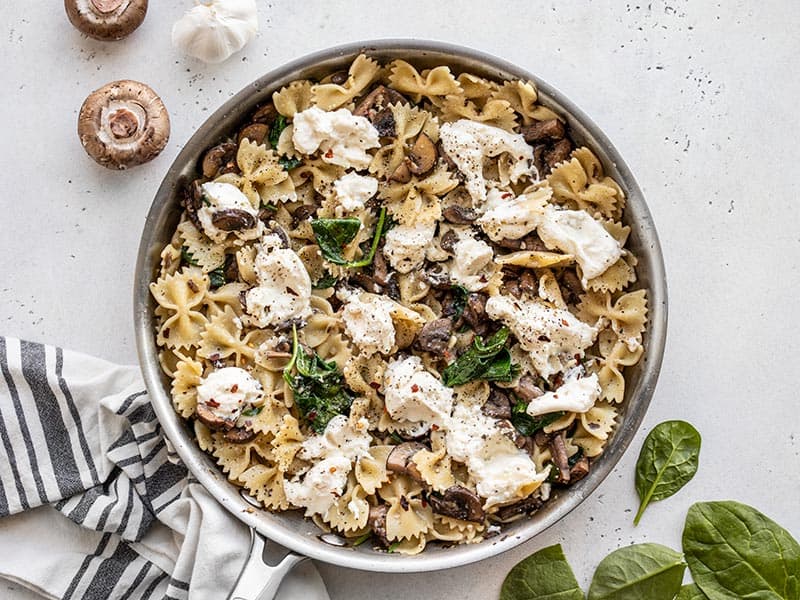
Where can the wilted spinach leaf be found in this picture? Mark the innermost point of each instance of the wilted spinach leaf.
(325, 282)
(668, 461)
(187, 257)
(318, 387)
(636, 572)
(288, 163)
(691, 592)
(333, 235)
(276, 130)
(734, 551)
(490, 361)
(546, 574)
(217, 277)
(528, 425)
(460, 295)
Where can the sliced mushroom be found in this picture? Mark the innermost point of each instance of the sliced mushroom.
(528, 283)
(579, 470)
(475, 313)
(123, 124)
(402, 174)
(302, 213)
(218, 158)
(448, 240)
(340, 77)
(558, 153)
(377, 100)
(528, 505)
(559, 451)
(527, 389)
(437, 277)
(551, 129)
(255, 132)
(231, 268)
(460, 215)
(572, 284)
(400, 459)
(497, 405)
(459, 503)
(365, 282)
(211, 419)
(423, 155)
(106, 19)
(233, 219)
(377, 522)
(435, 336)
(239, 435)
(265, 114)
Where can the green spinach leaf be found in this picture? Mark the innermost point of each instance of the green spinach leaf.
(460, 295)
(318, 387)
(288, 163)
(333, 235)
(668, 461)
(326, 281)
(545, 574)
(276, 130)
(691, 592)
(528, 425)
(734, 551)
(490, 361)
(187, 257)
(636, 572)
(217, 277)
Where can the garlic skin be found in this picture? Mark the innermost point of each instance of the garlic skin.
(215, 29)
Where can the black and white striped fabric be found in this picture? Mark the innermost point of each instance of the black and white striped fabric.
(92, 503)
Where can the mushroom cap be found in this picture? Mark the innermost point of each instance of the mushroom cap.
(123, 124)
(106, 19)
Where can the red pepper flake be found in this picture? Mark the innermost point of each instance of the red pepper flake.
(435, 427)
(577, 358)
(507, 195)
(234, 388)
(543, 338)
(214, 356)
(374, 385)
(329, 153)
(415, 388)
(212, 403)
(565, 323)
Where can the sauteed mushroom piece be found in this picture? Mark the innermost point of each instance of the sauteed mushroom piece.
(423, 155)
(400, 459)
(497, 405)
(527, 389)
(435, 335)
(402, 174)
(207, 416)
(560, 458)
(377, 522)
(579, 470)
(530, 504)
(123, 124)
(233, 219)
(551, 129)
(460, 215)
(219, 158)
(459, 503)
(106, 19)
(239, 435)
(559, 152)
(255, 132)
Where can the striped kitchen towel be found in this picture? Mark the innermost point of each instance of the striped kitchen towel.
(92, 503)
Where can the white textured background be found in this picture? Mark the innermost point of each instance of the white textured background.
(701, 99)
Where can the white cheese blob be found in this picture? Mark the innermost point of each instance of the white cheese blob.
(353, 190)
(226, 392)
(340, 438)
(576, 232)
(406, 245)
(503, 473)
(512, 217)
(221, 196)
(284, 287)
(553, 337)
(368, 322)
(213, 30)
(413, 394)
(575, 395)
(468, 143)
(341, 137)
(472, 262)
(320, 487)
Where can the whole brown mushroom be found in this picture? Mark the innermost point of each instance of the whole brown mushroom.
(106, 19)
(123, 124)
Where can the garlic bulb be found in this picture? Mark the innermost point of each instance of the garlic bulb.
(215, 29)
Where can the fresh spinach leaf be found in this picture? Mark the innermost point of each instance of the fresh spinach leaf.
(546, 574)
(691, 592)
(217, 277)
(640, 571)
(318, 387)
(668, 461)
(276, 130)
(490, 361)
(253, 411)
(460, 295)
(734, 551)
(288, 163)
(333, 235)
(528, 425)
(326, 281)
(187, 257)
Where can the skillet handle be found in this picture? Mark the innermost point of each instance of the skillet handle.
(261, 576)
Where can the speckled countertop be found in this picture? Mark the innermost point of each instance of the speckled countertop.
(701, 99)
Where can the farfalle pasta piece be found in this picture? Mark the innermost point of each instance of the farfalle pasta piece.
(363, 71)
(435, 82)
(260, 168)
(409, 516)
(293, 98)
(590, 445)
(364, 375)
(616, 356)
(320, 174)
(225, 295)
(269, 419)
(521, 96)
(599, 420)
(235, 458)
(187, 376)
(627, 315)
(550, 290)
(222, 339)
(411, 546)
(448, 529)
(170, 260)
(180, 296)
(435, 468)
(535, 259)
(206, 253)
(581, 183)
(370, 471)
(265, 483)
(280, 193)
(351, 510)
(408, 123)
(617, 277)
(287, 442)
(494, 112)
(477, 88)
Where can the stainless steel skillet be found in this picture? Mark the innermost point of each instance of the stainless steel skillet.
(290, 530)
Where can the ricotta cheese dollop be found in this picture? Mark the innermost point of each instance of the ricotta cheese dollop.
(575, 395)
(225, 196)
(576, 232)
(468, 143)
(228, 391)
(353, 190)
(553, 337)
(509, 217)
(320, 487)
(368, 322)
(340, 438)
(413, 394)
(341, 137)
(472, 262)
(284, 286)
(405, 245)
